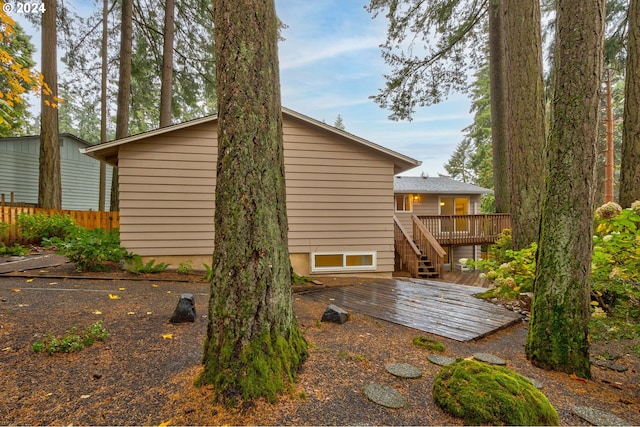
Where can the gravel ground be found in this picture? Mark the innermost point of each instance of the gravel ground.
(143, 373)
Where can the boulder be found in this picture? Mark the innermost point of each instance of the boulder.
(335, 314)
(185, 311)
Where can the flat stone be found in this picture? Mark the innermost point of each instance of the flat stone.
(441, 360)
(403, 370)
(610, 364)
(598, 417)
(385, 396)
(335, 314)
(489, 358)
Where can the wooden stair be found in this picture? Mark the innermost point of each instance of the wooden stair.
(426, 270)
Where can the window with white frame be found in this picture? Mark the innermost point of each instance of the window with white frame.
(404, 203)
(335, 261)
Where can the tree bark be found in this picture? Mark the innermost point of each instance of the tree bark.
(501, 181)
(253, 346)
(630, 164)
(49, 177)
(102, 186)
(124, 90)
(167, 64)
(525, 117)
(559, 323)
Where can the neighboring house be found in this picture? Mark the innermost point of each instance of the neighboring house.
(339, 195)
(19, 170)
(450, 212)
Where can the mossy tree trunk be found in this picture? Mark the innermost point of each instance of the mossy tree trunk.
(559, 323)
(525, 117)
(630, 164)
(253, 346)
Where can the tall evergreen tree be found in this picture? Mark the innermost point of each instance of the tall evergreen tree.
(253, 346)
(124, 90)
(525, 116)
(558, 336)
(49, 177)
(630, 167)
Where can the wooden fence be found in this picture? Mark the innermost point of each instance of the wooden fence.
(87, 219)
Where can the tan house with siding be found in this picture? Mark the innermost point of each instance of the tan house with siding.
(340, 195)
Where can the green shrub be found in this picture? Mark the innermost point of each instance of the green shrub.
(510, 272)
(90, 250)
(4, 228)
(42, 226)
(483, 394)
(208, 275)
(185, 267)
(73, 340)
(136, 266)
(15, 250)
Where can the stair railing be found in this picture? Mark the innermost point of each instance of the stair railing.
(428, 245)
(407, 250)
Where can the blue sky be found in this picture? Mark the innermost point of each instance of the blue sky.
(331, 63)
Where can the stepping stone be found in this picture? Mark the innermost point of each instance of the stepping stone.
(441, 360)
(489, 358)
(610, 364)
(598, 417)
(403, 370)
(385, 396)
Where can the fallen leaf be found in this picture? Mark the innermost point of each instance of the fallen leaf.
(29, 280)
(96, 312)
(164, 424)
(121, 289)
(15, 290)
(154, 285)
(148, 312)
(85, 396)
(6, 349)
(111, 296)
(168, 292)
(167, 336)
(131, 313)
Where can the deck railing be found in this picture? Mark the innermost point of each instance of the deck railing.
(461, 230)
(428, 245)
(407, 250)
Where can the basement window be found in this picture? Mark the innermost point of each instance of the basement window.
(346, 261)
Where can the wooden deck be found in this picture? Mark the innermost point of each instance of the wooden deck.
(445, 309)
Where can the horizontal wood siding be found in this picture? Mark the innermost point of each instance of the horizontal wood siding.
(167, 193)
(339, 194)
(19, 166)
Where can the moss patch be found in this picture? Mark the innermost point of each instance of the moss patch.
(428, 343)
(485, 394)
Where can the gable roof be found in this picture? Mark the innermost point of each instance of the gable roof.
(108, 151)
(62, 135)
(435, 185)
